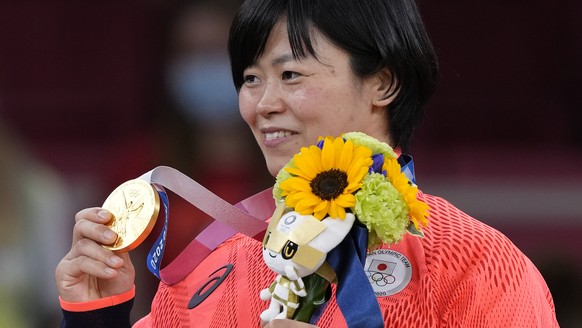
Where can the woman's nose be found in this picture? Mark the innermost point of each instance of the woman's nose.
(271, 101)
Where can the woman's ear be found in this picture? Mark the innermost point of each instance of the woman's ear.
(384, 88)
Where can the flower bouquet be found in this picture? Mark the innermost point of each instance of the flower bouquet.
(321, 193)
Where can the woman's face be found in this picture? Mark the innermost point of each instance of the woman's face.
(289, 103)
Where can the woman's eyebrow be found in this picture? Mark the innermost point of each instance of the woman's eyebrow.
(282, 59)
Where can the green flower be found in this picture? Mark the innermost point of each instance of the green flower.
(377, 147)
(282, 175)
(382, 209)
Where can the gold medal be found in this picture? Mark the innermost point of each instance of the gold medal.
(135, 206)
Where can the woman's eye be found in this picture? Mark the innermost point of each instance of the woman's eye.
(288, 75)
(250, 79)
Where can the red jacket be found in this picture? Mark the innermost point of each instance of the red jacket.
(462, 274)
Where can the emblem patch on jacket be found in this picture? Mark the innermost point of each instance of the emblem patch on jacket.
(388, 271)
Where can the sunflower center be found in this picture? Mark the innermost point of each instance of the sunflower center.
(330, 184)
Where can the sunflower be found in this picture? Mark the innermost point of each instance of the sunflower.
(323, 180)
(417, 210)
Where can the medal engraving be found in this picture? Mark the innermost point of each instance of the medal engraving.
(135, 206)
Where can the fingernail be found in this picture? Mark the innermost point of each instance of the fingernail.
(103, 214)
(109, 271)
(115, 260)
(109, 235)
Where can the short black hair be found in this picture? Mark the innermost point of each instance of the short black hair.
(375, 34)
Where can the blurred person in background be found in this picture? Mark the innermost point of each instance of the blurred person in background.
(199, 87)
(200, 113)
(33, 201)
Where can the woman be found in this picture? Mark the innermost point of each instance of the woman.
(305, 69)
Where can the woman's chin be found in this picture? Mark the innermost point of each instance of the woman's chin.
(276, 163)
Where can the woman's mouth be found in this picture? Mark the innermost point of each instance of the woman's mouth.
(277, 135)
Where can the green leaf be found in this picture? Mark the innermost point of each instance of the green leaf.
(413, 231)
(316, 287)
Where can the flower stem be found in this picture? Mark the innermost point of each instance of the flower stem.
(317, 295)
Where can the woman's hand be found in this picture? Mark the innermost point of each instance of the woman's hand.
(90, 271)
(284, 323)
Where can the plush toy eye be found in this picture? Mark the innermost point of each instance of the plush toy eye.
(289, 250)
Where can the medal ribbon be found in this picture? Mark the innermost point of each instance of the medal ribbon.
(247, 217)
(157, 252)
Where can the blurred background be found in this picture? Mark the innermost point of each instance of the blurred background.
(93, 93)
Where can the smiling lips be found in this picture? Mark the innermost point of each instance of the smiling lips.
(277, 135)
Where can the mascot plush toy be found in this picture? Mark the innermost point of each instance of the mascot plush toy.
(295, 246)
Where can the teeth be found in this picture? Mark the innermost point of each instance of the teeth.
(278, 134)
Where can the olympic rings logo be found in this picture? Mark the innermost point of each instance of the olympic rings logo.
(380, 273)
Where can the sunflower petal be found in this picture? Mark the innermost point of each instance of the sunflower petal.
(338, 212)
(320, 215)
(292, 199)
(301, 170)
(346, 200)
(338, 145)
(306, 205)
(357, 170)
(313, 153)
(306, 163)
(346, 155)
(333, 210)
(298, 184)
(327, 155)
(323, 205)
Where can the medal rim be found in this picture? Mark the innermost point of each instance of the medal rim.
(152, 220)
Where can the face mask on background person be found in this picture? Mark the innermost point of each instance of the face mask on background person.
(202, 88)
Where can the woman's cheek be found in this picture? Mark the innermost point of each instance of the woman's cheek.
(245, 106)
